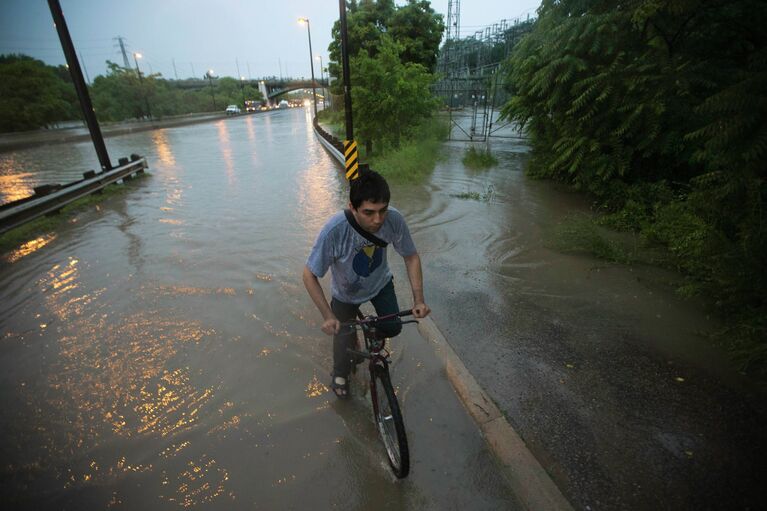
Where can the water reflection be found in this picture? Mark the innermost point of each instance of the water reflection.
(250, 128)
(164, 152)
(226, 150)
(200, 483)
(15, 186)
(316, 196)
(30, 247)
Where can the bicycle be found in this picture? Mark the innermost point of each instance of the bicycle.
(386, 411)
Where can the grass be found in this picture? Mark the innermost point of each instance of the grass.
(414, 160)
(411, 162)
(478, 159)
(48, 223)
(581, 234)
(485, 196)
(333, 122)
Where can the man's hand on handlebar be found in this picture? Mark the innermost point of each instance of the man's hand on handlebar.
(331, 326)
(421, 310)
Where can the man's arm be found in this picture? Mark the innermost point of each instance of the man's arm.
(413, 265)
(330, 325)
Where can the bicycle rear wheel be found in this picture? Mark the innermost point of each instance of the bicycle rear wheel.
(389, 421)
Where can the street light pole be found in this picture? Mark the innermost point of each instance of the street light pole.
(242, 90)
(137, 56)
(322, 82)
(209, 74)
(311, 60)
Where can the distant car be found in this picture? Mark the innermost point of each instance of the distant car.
(233, 110)
(283, 104)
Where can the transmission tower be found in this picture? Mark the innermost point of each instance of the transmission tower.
(453, 19)
(121, 41)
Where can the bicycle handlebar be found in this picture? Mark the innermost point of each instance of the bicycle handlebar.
(375, 319)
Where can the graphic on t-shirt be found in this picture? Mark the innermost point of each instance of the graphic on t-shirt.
(367, 260)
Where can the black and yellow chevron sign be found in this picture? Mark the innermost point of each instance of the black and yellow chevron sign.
(351, 158)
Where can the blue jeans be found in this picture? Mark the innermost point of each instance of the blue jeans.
(385, 302)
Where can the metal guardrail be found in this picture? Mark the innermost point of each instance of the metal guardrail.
(331, 143)
(51, 198)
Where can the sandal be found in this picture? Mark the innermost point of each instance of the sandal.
(341, 390)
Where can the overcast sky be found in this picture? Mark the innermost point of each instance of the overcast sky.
(263, 36)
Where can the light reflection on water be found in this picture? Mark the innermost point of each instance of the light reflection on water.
(29, 247)
(163, 148)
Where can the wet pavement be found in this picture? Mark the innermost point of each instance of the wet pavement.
(603, 370)
(159, 351)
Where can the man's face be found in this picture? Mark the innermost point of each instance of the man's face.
(370, 215)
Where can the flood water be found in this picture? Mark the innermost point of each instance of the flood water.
(160, 350)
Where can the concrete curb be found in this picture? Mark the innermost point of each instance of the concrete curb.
(527, 478)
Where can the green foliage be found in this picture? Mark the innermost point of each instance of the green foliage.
(475, 159)
(414, 26)
(415, 159)
(33, 94)
(333, 121)
(390, 98)
(659, 109)
(121, 95)
(485, 196)
(419, 30)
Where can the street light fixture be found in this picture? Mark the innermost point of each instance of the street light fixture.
(209, 76)
(137, 56)
(311, 60)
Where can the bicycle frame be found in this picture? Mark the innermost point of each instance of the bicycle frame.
(376, 347)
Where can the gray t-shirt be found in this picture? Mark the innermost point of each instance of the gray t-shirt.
(359, 269)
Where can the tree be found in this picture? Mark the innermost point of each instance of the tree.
(414, 26)
(120, 94)
(419, 30)
(660, 110)
(390, 97)
(32, 95)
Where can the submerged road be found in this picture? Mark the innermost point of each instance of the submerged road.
(160, 350)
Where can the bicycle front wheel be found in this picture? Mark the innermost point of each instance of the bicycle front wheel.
(389, 421)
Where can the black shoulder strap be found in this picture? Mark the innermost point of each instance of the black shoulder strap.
(375, 240)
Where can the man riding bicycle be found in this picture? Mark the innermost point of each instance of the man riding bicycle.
(353, 245)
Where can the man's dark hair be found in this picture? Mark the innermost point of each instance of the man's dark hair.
(370, 186)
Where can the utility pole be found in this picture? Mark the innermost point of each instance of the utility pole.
(175, 73)
(121, 40)
(350, 146)
(80, 87)
(209, 76)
